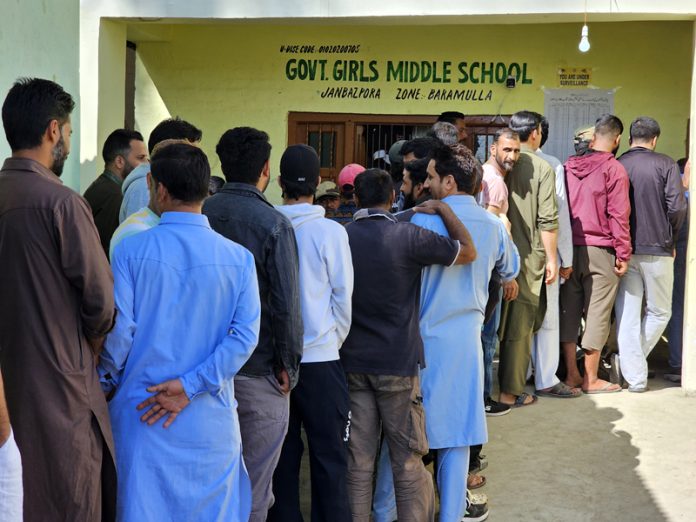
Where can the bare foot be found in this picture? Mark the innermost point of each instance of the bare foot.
(574, 383)
(600, 385)
(475, 481)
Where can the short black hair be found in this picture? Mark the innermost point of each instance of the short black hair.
(644, 128)
(461, 164)
(451, 116)
(118, 144)
(544, 130)
(373, 188)
(418, 170)
(296, 189)
(173, 129)
(420, 147)
(184, 171)
(608, 125)
(506, 132)
(524, 123)
(30, 105)
(243, 151)
(215, 184)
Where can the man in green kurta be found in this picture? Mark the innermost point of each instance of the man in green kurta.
(533, 215)
(123, 151)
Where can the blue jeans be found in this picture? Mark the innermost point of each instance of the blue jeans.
(489, 342)
(675, 330)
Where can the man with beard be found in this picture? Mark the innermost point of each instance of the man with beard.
(533, 214)
(505, 151)
(412, 187)
(57, 303)
(453, 301)
(123, 151)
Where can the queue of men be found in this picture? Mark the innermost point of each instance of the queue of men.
(166, 341)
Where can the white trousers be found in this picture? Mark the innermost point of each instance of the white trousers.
(10, 482)
(546, 343)
(648, 277)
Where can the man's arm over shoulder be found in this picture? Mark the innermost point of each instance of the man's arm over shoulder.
(236, 347)
(619, 209)
(85, 266)
(427, 243)
(455, 229)
(282, 267)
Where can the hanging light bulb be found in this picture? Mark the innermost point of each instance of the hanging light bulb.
(584, 44)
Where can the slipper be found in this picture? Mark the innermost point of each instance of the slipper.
(519, 402)
(560, 391)
(470, 481)
(603, 389)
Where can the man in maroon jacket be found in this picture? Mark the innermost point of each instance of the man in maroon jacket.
(599, 207)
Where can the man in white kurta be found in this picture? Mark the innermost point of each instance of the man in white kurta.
(546, 341)
(188, 319)
(453, 301)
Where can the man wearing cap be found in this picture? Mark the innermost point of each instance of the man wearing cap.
(346, 178)
(582, 140)
(319, 402)
(599, 208)
(327, 196)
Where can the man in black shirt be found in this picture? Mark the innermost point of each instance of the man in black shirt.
(384, 350)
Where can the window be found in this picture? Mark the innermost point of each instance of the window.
(340, 139)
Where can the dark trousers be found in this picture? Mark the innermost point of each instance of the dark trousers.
(675, 329)
(320, 403)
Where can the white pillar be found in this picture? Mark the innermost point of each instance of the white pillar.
(689, 345)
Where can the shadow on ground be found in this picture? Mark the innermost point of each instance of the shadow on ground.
(613, 457)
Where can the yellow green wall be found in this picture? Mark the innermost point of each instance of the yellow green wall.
(222, 76)
(31, 46)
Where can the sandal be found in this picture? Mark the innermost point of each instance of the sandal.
(521, 398)
(560, 391)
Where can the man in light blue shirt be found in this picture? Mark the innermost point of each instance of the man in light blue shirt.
(188, 319)
(453, 301)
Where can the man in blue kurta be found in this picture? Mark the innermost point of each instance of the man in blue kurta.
(453, 301)
(188, 319)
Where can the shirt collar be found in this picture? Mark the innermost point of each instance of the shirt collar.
(365, 213)
(30, 165)
(113, 177)
(184, 218)
(245, 189)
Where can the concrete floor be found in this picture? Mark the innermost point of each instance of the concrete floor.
(615, 457)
